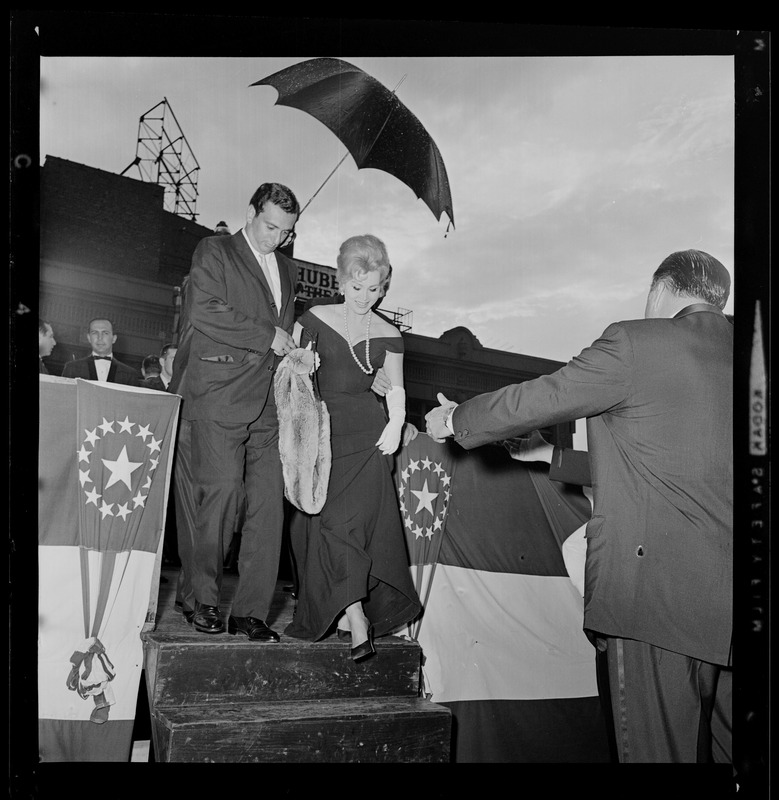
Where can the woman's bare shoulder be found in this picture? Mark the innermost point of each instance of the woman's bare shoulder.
(324, 312)
(380, 327)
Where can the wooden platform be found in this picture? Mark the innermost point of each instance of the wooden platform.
(170, 619)
(226, 698)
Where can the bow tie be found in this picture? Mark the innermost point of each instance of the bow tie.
(103, 358)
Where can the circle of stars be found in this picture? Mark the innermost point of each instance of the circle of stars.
(425, 498)
(121, 468)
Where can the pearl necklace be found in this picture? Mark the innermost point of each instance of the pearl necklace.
(368, 371)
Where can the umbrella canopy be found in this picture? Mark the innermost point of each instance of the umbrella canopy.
(376, 128)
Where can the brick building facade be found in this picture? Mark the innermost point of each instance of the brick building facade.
(108, 247)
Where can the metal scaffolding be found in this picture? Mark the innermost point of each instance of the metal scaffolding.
(401, 317)
(163, 156)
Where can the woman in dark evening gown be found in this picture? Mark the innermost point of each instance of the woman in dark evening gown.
(352, 562)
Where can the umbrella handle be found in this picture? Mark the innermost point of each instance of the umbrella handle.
(323, 183)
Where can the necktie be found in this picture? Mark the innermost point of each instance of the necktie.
(103, 358)
(269, 276)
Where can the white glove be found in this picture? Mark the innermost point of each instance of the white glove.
(396, 407)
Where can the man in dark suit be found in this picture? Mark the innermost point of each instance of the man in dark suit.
(46, 343)
(657, 395)
(239, 305)
(157, 373)
(150, 372)
(100, 365)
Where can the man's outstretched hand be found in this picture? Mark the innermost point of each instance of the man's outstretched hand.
(435, 419)
(532, 447)
(381, 383)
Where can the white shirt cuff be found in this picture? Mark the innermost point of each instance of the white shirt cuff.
(448, 420)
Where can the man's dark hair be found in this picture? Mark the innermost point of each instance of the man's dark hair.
(42, 325)
(167, 347)
(279, 195)
(694, 273)
(152, 364)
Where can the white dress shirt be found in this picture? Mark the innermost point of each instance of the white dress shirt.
(102, 367)
(270, 269)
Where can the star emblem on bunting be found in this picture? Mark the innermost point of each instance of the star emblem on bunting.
(423, 494)
(121, 447)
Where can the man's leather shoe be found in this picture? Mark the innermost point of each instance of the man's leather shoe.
(188, 613)
(252, 627)
(208, 618)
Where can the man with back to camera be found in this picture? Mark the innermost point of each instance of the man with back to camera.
(657, 394)
(150, 372)
(158, 370)
(239, 306)
(46, 343)
(101, 365)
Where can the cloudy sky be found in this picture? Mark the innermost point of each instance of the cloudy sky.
(571, 177)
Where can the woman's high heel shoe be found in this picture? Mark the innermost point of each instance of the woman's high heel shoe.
(366, 649)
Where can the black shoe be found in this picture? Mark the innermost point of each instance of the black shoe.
(163, 579)
(290, 590)
(208, 618)
(366, 649)
(344, 636)
(188, 613)
(252, 627)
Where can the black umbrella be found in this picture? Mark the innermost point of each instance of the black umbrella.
(377, 129)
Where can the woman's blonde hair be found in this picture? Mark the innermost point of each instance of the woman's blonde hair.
(362, 254)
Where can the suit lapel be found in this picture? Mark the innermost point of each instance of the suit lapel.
(112, 372)
(251, 263)
(287, 270)
(287, 273)
(91, 368)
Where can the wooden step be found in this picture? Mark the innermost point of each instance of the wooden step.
(368, 730)
(208, 671)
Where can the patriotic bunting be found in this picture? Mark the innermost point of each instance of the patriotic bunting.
(104, 473)
(501, 630)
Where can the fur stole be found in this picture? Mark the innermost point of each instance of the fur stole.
(304, 435)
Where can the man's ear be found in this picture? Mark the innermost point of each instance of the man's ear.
(654, 300)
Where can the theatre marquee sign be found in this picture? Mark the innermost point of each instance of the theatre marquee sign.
(315, 280)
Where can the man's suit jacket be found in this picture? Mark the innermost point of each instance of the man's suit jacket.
(117, 373)
(657, 395)
(570, 466)
(153, 382)
(229, 306)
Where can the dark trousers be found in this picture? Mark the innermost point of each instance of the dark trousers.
(184, 500)
(667, 707)
(228, 459)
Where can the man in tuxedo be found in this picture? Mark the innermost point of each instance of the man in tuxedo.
(239, 311)
(657, 395)
(100, 365)
(46, 343)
